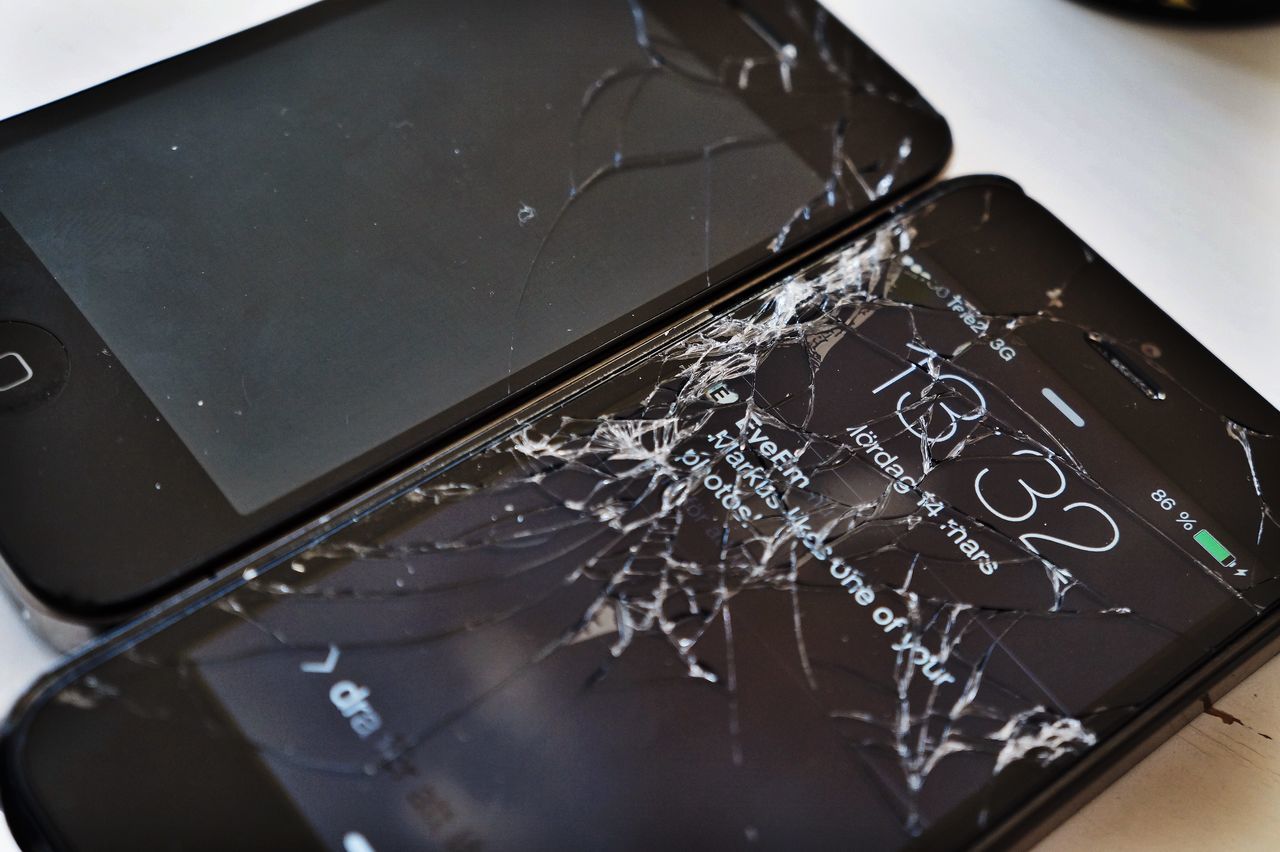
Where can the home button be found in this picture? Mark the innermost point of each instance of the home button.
(33, 366)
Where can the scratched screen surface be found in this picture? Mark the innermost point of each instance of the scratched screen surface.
(863, 562)
(308, 248)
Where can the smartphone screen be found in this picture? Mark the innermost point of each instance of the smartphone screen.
(868, 559)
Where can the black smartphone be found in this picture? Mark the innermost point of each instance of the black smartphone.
(238, 286)
(916, 547)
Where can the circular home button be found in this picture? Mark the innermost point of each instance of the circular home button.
(34, 366)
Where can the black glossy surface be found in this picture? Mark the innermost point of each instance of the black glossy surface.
(574, 636)
(300, 255)
(1194, 11)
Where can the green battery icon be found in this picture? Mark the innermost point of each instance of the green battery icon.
(1210, 543)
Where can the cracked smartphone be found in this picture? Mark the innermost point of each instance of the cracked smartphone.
(241, 285)
(915, 545)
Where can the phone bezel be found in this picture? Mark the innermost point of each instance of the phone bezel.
(89, 461)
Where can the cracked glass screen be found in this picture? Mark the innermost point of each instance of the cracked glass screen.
(318, 236)
(866, 560)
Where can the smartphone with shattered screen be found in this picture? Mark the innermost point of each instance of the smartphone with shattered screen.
(241, 285)
(917, 545)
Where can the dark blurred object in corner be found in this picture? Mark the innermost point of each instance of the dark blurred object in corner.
(1195, 10)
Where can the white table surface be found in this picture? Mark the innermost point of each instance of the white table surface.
(1159, 145)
